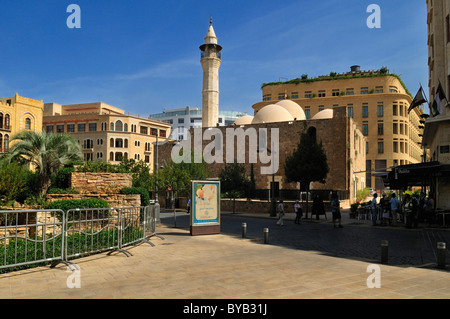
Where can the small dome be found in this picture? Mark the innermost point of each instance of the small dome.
(244, 120)
(294, 109)
(272, 113)
(324, 114)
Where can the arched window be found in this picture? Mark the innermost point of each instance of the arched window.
(119, 126)
(111, 127)
(119, 142)
(125, 143)
(125, 155)
(111, 142)
(119, 156)
(1, 143)
(111, 156)
(104, 126)
(125, 127)
(1, 120)
(6, 143)
(7, 120)
(28, 123)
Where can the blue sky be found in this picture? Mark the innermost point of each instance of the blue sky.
(144, 56)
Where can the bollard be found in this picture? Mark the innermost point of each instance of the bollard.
(266, 235)
(244, 230)
(384, 251)
(441, 251)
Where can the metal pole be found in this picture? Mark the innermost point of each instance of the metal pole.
(384, 251)
(266, 235)
(244, 230)
(441, 251)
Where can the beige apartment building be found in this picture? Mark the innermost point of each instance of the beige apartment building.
(436, 137)
(17, 114)
(377, 101)
(105, 132)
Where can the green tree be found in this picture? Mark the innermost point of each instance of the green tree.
(44, 152)
(233, 181)
(307, 164)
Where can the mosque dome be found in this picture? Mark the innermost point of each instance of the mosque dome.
(294, 109)
(272, 113)
(244, 120)
(324, 114)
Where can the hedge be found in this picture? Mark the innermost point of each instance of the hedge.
(145, 197)
(66, 204)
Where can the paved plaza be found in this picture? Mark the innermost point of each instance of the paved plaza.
(308, 261)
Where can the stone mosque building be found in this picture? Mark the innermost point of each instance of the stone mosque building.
(342, 140)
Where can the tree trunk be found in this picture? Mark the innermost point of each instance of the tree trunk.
(43, 184)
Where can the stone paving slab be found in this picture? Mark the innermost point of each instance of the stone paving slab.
(222, 267)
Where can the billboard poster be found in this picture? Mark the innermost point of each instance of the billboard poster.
(205, 210)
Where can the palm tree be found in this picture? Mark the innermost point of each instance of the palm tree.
(44, 152)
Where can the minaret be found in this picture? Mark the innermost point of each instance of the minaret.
(210, 60)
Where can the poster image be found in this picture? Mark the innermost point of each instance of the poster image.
(205, 202)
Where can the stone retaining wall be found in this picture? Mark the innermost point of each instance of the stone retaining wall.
(100, 183)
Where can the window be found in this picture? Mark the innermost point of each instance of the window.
(367, 147)
(6, 143)
(447, 27)
(321, 108)
(7, 121)
(88, 157)
(445, 149)
(147, 146)
(365, 129)
(1, 120)
(153, 131)
(380, 129)
(350, 92)
(125, 127)
(99, 141)
(70, 128)
(281, 96)
(395, 128)
(111, 156)
(393, 89)
(365, 90)
(88, 143)
(322, 93)
(144, 130)
(28, 124)
(307, 113)
(119, 142)
(147, 158)
(380, 147)
(119, 126)
(308, 94)
(365, 110)
(378, 89)
(162, 133)
(395, 147)
(137, 143)
(294, 95)
(82, 127)
(267, 97)
(99, 155)
(49, 129)
(137, 157)
(59, 128)
(380, 110)
(335, 92)
(92, 127)
(104, 126)
(180, 121)
(350, 110)
(394, 109)
(118, 157)
(111, 126)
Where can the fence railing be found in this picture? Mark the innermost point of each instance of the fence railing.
(30, 237)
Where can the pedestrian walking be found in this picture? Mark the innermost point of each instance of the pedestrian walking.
(374, 209)
(280, 213)
(395, 206)
(298, 212)
(318, 207)
(408, 207)
(336, 211)
(188, 206)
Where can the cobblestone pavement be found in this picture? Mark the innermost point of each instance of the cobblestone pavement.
(357, 240)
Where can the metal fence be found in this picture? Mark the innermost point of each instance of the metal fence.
(30, 237)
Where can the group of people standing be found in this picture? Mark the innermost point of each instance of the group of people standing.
(412, 210)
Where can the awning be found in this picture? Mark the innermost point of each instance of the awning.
(421, 174)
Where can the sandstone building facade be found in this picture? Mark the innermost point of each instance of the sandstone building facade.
(105, 132)
(377, 102)
(17, 114)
